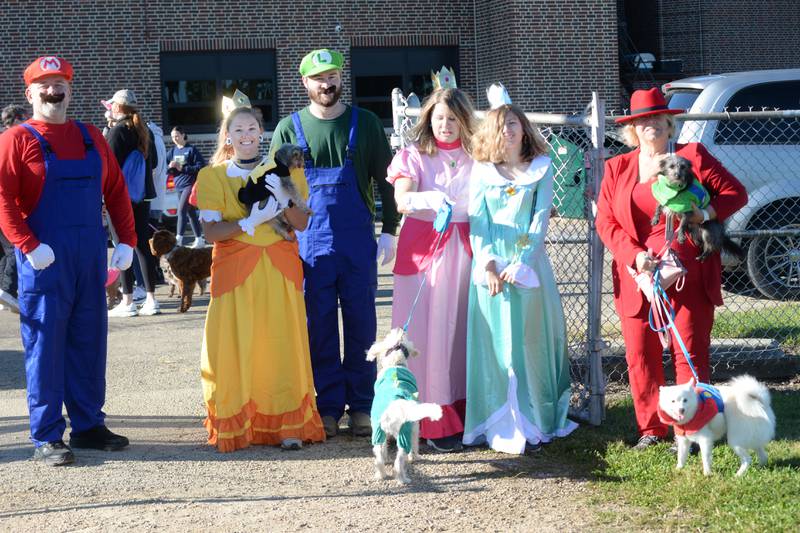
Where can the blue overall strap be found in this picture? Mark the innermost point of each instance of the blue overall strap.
(46, 149)
(88, 143)
(351, 143)
(301, 140)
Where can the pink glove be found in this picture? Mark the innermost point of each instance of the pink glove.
(418, 201)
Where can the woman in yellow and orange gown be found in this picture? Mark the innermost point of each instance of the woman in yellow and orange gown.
(256, 368)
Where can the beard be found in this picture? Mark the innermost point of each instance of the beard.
(326, 97)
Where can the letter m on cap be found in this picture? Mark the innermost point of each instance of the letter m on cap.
(50, 63)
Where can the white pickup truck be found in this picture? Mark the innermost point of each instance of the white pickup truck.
(764, 154)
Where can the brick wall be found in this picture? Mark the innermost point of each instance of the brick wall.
(731, 35)
(549, 53)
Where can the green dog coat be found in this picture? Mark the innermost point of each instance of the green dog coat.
(396, 383)
(677, 200)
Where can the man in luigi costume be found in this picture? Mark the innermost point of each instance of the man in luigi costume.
(346, 151)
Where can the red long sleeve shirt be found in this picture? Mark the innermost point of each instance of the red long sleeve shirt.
(22, 177)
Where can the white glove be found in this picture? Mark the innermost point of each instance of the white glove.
(259, 215)
(273, 184)
(386, 247)
(122, 257)
(433, 200)
(41, 257)
(524, 276)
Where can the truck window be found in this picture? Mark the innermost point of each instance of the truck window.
(780, 95)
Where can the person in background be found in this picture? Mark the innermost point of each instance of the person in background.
(432, 170)
(346, 152)
(518, 383)
(11, 116)
(128, 135)
(184, 161)
(54, 175)
(624, 212)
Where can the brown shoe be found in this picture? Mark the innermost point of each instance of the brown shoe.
(330, 425)
(360, 424)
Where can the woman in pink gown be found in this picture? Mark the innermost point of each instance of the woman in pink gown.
(432, 170)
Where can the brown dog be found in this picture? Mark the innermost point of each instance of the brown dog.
(189, 266)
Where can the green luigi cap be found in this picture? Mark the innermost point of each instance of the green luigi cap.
(320, 61)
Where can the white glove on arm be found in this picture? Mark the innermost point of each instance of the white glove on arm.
(273, 184)
(41, 257)
(259, 215)
(386, 247)
(122, 257)
(418, 201)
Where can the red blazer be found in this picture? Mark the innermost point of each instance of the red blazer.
(616, 228)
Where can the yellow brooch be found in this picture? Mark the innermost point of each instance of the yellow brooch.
(524, 241)
(511, 190)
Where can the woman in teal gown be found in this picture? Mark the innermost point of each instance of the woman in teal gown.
(518, 383)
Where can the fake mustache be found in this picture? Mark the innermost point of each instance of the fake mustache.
(52, 98)
(330, 90)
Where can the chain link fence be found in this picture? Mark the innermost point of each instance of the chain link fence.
(758, 328)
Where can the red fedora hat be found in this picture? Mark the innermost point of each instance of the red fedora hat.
(645, 103)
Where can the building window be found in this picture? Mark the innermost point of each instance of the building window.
(376, 71)
(193, 84)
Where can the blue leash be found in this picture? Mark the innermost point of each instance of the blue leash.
(661, 302)
(440, 225)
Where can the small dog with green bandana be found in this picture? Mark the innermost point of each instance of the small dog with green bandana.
(677, 190)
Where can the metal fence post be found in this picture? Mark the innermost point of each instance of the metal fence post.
(597, 382)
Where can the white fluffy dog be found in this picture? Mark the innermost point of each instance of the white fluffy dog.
(396, 411)
(747, 421)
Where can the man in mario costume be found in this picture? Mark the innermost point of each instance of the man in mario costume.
(54, 175)
(346, 151)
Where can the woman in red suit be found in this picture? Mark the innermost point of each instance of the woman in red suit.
(624, 212)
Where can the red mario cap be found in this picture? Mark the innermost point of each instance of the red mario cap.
(47, 66)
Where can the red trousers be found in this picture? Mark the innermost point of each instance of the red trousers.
(694, 316)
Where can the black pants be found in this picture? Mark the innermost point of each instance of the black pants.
(185, 209)
(8, 267)
(141, 221)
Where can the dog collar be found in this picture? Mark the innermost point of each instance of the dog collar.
(399, 346)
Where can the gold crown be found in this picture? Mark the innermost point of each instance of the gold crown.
(444, 79)
(239, 99)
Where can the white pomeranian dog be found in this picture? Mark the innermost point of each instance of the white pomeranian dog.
(745, 418)
(396, 411)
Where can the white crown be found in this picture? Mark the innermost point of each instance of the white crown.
(497, 96)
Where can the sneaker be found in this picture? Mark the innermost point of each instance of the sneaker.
(98, 438)
(139, 294)
(54, 453)
(179, 240)
(360, 424)
(446, 444)
(331, 426)
(533, 448)
(199, 242)
(645, 441)
(291, 444)
(9, 302)
(124, 310)
(150, 308)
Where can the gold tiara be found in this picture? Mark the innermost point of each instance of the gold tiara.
(239, 99)
(444, 79)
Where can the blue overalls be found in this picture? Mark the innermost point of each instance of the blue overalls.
(63, 316)
(338, 251)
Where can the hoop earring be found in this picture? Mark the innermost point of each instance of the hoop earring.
(228, 141)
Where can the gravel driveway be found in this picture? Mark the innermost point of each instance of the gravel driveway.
(169, 479)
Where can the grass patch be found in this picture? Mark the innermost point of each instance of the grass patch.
(658, 496)
(776, 322)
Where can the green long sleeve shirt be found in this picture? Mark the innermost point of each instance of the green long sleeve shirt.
(327, 140)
